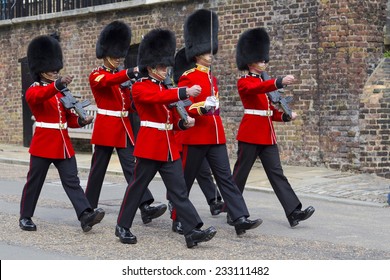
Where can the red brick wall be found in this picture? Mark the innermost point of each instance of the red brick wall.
(330, 46)
(374, 122)
(350, 44)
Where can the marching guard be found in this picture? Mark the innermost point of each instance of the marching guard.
(112, 128)
(256, 135)
(156, 149)
(207, 138)
(204, 178)
(51, 143)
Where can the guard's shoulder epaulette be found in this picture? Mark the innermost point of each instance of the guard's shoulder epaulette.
(35, 84)
(141, 79)
(96, 69)
(188, 71)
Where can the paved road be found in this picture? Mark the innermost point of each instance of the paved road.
(337, 230)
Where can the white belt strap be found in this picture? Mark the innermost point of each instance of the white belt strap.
(52, 125)
(160, 126)
(264, 113)
(111, 113)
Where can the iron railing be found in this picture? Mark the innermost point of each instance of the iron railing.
(10, 9)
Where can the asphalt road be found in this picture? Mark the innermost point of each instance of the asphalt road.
(344, 238)
(336, 231)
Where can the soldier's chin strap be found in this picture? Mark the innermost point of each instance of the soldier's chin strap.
(259, 68)
(48, 77)
(158, 75)
(203, 60)
(113, 63)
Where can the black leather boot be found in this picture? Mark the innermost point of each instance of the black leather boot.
(229, 220)
(216, 207)
(298, 215)
(176, 227)
(90, 218)
(125, 236)
(196, 236)
(27, 224)
(242, 224)
(148, 213)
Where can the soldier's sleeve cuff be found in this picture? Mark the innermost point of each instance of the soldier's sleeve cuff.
(202, 111)
(181, 125)
(59, 85)
(80, 122)
(131, 74)
(183, 93)
(278, 82)
(285, 118)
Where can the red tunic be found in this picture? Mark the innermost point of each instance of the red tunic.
(208, 127)
(45, 105)
(253, 128)
(111, 130)
(151, 100)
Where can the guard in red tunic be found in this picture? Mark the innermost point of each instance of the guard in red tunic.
(207, 138)
(156, 149)
(256, 135)
(204, 178)
(112, 128)
(51, 143)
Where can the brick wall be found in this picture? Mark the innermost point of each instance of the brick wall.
(374, 122)
(330, 46)
(350, 44)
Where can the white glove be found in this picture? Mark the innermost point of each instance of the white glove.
(211, 102)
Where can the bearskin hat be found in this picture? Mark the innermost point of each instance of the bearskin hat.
(181, 65)
(156, 48)
(253, 46)
(44, 54)
(114, 40)
(198, 33)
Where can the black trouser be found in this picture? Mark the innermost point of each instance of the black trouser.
(172, 175)
(67, 169)
(206, 183)
(100, 160)
(218, 160)
(270, 159)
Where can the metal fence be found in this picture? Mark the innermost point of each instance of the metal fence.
(24, 8)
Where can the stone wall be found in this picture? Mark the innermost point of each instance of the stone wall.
(331, 47)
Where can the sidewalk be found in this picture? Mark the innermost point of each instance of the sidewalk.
(319, 182)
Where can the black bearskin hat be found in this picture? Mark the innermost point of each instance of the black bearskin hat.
(44, 54)
(181, 65)
(156, 48)
(198, 33)
(253, 46)
(114, 40)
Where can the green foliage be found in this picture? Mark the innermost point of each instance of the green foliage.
(387, 54)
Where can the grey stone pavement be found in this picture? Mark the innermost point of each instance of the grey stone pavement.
(351, 221)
